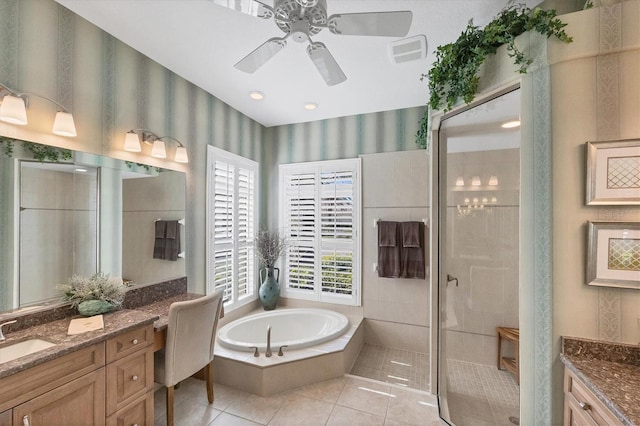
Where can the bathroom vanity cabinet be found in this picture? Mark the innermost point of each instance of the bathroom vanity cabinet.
(109, 382)
(582, 407)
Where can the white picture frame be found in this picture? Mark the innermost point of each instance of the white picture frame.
(613, 254)
(613, 172)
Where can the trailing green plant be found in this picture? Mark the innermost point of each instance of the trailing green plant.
(8, 144)
(44, 153)
(131, 165)
(454, 74)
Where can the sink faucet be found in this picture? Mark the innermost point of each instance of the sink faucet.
(2, 338)
(268, 352)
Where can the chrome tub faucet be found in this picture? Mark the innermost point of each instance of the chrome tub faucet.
(268, 351)
(2, 338)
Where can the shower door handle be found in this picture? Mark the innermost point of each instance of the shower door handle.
(451, 278)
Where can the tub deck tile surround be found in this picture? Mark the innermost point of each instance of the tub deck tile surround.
(266, 376)
(610, 370)
(56, 332)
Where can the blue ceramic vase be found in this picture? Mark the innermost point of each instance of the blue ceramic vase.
(269, 288)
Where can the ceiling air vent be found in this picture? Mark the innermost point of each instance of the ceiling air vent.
(408, 49)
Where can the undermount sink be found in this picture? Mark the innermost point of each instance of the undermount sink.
(24, 348)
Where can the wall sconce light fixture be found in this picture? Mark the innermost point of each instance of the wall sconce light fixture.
(476, 181)
(493, 181)
(14, 110)
(460, 181)
(158, 150)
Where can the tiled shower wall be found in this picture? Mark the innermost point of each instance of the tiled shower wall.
(395, 186)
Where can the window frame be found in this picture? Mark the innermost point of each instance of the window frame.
(317, 168)
(214, 155)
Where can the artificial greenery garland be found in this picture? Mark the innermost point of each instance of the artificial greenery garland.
(39, 152)
(454, 74)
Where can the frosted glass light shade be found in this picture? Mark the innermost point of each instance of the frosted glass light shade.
(158, 149)
(63, 125)
(460, 181)
(132, 142)
(13, 110)
(476, 181)
(181, 155)
(493, 181)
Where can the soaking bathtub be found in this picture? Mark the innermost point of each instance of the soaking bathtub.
(294, 328)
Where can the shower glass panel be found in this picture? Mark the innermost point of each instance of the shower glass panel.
(479, 162)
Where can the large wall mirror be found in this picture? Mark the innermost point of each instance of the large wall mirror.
(79, 216)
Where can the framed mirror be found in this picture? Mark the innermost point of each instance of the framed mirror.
(79, 214)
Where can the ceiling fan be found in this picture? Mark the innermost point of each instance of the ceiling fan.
(301, 19)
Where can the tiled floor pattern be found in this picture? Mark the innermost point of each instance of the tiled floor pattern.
(397, 366)
(348, 401)
(481, 395)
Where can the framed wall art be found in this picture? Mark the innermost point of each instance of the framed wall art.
(613, 257)
(613, 172)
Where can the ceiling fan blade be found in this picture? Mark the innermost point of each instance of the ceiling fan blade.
(386, 24)
(250, 7)
(326, 64)
(261, 55)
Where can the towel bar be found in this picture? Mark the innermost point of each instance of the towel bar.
(181, 221)
(376, 220)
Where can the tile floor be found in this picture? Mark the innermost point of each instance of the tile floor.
(397, 366)
(481, 395)
(347, 400)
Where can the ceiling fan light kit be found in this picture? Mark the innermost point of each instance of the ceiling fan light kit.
(301, 19)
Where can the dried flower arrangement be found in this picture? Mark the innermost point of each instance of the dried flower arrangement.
(269, 247)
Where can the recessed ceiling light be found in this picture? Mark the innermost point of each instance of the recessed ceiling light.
(511, 124)
(256, 96)
(310, 106)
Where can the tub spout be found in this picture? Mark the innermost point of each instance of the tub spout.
(268, 351)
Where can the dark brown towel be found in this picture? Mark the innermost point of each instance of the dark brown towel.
(172, 241)
(160, 243)
(388, 255)
(413, 257)
(387, 232)
(411, 234)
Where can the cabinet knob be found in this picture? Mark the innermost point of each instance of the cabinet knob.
(134, 378)
(134, 341)
(584, 406)
(25, 420)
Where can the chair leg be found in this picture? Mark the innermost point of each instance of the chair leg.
(169, 405)
(208, 373)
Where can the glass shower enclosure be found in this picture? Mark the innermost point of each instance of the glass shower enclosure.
(479, 210)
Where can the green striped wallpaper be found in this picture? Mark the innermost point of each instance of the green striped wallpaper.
(111, 88)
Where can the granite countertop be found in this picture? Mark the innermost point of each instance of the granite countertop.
(56, 332)
(161, 308)
(610, 370)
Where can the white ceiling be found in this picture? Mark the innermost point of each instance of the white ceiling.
(201, 41)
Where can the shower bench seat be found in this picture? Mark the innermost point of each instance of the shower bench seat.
(510, 364)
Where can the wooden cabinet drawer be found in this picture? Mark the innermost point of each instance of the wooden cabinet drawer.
(129, 378)
(5, 418)
(27, 384)
(582, 407)
(129, 342)
(138, 413)
(79, 402)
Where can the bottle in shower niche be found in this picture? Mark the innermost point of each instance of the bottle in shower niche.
(269, 287)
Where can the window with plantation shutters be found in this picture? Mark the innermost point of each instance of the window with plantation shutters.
(231, 226)
(320, 215)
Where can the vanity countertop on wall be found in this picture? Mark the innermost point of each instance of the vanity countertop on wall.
(610, 370)
(56, 332)
(160, 308)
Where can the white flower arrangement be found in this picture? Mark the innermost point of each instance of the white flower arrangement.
(96, 287)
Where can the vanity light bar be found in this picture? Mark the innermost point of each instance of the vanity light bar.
(132, 144)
